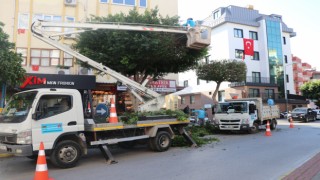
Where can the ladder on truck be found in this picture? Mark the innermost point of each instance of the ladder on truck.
(198, 38)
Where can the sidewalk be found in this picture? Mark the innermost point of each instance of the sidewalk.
(310, 170)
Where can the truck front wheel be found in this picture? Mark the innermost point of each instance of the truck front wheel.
(66, 154)
(273, 125)
(254, 128)
(161, 142)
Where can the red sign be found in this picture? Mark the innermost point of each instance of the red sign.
(35, 68)
(33, 80)
(163, 85)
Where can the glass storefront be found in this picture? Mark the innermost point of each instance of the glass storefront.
(275, 54)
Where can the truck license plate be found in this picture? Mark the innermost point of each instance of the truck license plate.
(4, 148)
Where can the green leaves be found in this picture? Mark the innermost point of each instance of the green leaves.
(11, 71)
(222, 70)
(311, 90)
(135, 53)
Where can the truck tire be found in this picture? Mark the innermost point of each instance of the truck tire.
(162, 141)
(66, 154)
(254, 129)
(273, 125)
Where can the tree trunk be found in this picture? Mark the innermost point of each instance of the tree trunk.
(216, 92)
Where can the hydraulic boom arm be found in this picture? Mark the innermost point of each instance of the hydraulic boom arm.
(40, 31)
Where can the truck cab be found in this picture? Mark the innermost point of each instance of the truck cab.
(41, 115)
(245, 114)
(237, 115)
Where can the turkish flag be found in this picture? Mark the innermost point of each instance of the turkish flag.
(248, 47)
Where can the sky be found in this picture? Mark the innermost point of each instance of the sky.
(301, 15)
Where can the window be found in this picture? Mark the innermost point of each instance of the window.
(285, 58)
(55, 56)
(183, 100)
(50, 105)
(192, 99)
(143, 3)
(256, 77)
(47, 17)
(216, 15)
(103, 1)
(69, 19)
(125, 2)
(269, 93)
(256, 56)
(198, 81)
(284, 40)
(254, 93)
(253, 35)
(238, 33)
(287, 78)
(45, 57)
(23, 21)
(23, 52)
(185, 83)
(67, 60)
(239, 54)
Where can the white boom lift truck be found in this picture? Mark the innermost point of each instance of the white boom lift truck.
(245, 114)
(59, 117)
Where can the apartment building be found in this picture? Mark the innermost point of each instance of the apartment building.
(269, 70)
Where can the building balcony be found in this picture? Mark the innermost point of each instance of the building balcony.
(277, 97)
(255, 81)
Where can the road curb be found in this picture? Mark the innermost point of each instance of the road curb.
(5, 155)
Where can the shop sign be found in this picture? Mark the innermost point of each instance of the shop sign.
(33, 81)
(163, 85)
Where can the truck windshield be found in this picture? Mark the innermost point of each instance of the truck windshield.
(232, 107)
(17, 109)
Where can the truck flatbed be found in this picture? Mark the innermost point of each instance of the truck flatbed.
(140, 124)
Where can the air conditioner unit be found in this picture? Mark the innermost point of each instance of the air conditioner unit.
(70, 2)
(85, 71)
(63, 71)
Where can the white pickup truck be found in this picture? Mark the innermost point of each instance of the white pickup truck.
(39, 115)
(245, 114)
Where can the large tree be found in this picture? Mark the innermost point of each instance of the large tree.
(11, 71)
(222, 70)
(311, 90)
(139, 54)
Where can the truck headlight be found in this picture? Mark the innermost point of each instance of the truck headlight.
(24, 137)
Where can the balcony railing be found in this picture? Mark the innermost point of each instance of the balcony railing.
(255, 81)
(274, 96)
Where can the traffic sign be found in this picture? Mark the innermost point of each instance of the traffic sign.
(102, 110)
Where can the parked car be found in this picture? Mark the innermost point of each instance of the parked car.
(318, 113)
(283, 115)
(302, 114)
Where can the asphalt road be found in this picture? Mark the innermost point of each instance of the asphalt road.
(236, 156)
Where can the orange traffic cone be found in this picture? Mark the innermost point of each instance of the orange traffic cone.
(291, 123)
(268, 132)
(113, 113)
(41, 169)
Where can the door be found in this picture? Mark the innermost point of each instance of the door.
(55, 115)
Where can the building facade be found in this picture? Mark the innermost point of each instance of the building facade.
(269, 70)
(41, 58)
(303, 72)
